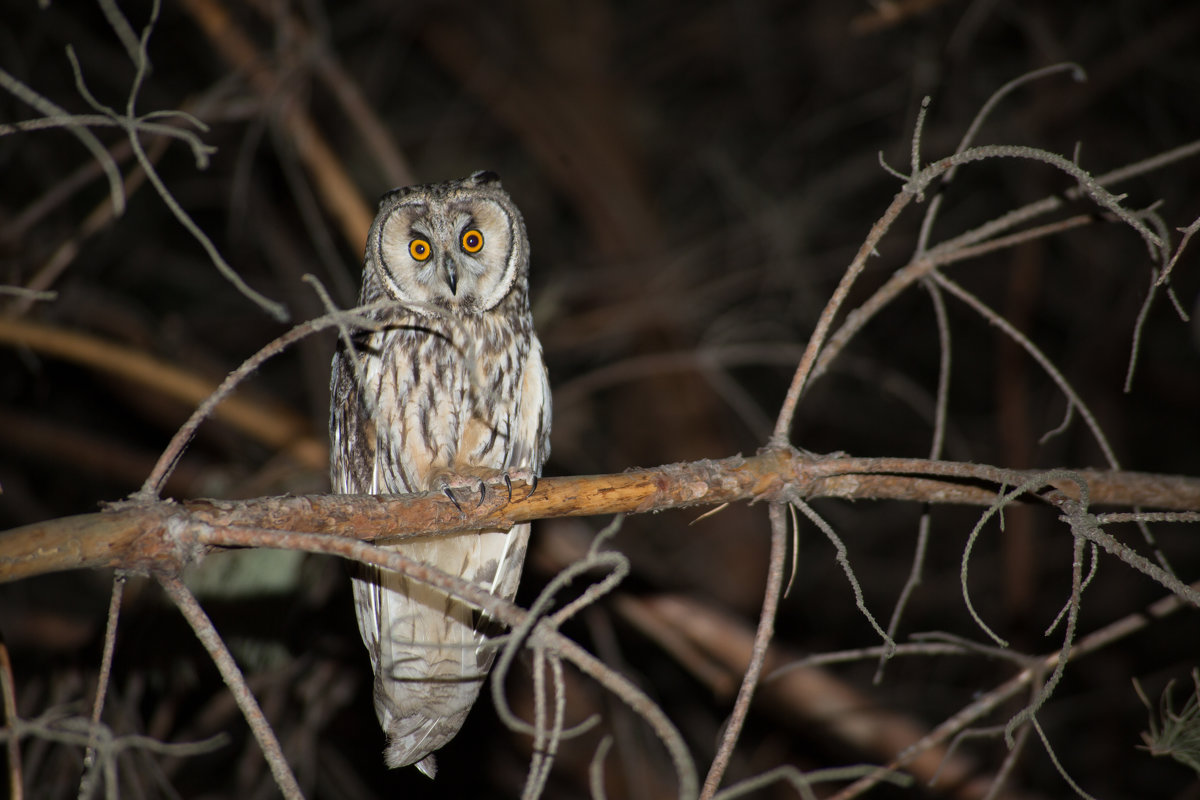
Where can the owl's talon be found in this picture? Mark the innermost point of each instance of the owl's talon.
(447, 491)
(508, 483)
(482, 493)
(533, 482)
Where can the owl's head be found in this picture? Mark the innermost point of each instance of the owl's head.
(458, 246)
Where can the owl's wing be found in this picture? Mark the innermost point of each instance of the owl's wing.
(531, 440)
(351, 432)
(352, 469)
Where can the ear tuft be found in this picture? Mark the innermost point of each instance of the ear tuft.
(483, 177)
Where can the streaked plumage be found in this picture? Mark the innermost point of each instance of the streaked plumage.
(455, 387)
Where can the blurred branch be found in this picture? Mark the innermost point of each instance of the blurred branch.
(724, 642)
(270, 424)
(375, 135)
(165, 536)
(342, 197)
(13, 745)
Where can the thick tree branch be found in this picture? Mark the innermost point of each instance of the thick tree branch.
(163, 536)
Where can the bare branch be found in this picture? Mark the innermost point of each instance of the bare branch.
(131, 536)
(758, 655)
(203, 628)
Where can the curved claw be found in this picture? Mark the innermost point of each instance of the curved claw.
(508, 483)
(532, 486)
(453, 499)
(482, 493)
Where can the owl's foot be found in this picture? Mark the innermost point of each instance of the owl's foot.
(528, 476)
(450, 483)
(457, 485)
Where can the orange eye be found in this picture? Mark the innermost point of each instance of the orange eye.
(472, 241)
(419, 249)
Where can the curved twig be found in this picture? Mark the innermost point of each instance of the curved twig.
(203, 628)
(758, 655)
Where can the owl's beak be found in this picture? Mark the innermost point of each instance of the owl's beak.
(451, 276)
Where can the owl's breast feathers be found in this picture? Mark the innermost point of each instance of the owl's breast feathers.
(431, 396)
(447, 395)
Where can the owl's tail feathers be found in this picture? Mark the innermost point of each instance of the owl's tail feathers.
(428, 766)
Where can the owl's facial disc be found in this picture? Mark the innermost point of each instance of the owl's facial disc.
(455, 255)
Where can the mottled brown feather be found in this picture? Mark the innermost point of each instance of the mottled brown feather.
(454, 386)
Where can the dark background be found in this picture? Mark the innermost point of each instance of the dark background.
(693, 176)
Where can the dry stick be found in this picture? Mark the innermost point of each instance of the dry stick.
(1037, 726)
(547, 736)
(996, 319)
(1078, 583)
(533, 784)
(917, 269)
(969, 244)
(1148, 516)
(130, 536)
(992, 700)
(201, 150)
(1144, 311)
(106, 660)
(122, 28)
(913, 188)
(817, 341)
(762, 640)
(543, 635)
(935, 451)
(1064, 386)
(15, 783)
(174, 451)
(1139, 325)
(25, 93)
(973, 129)
(618, 566)
(1188, 233)
(130, 122)
(1087, 184)
(1030, 485)
(100, 216)
(596, 769)
(203, 628)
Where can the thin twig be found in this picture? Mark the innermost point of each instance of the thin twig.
(543, 635)
(762, 640)
(1033, 350)
(174, 450)
(13, 746)
(102, 680)
(935, 451)
(973, 130)
(209, 637)
(987, 703)
(111, 171)
(1188, 233)
(816, 341)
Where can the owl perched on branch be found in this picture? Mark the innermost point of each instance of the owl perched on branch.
(451, 393)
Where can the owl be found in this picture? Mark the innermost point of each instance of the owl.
(450, 393)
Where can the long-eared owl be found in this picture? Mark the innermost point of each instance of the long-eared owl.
(452, 391)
